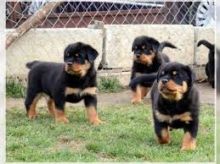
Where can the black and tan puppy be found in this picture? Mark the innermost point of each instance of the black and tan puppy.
(148, 57)
(175, 103)
(71, 81)
(210, 66)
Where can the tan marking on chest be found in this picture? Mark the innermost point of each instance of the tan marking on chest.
(69, 91)
(81, 92)
(184, 117)
(89, 90)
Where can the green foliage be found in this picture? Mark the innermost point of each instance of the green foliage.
(15, 88)
(109, 85)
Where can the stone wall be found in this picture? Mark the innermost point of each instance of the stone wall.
(49, 44)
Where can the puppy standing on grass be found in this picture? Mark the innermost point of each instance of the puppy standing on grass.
(73, 81)
(175, 103)
(210, 66)
(148, 57)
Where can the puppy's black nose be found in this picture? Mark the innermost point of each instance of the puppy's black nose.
(69, 63)
(164, 81)
(138, 55)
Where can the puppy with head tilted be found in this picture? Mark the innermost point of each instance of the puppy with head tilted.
(148, 57)
(210, 65)
(175, 103)
(71, 81)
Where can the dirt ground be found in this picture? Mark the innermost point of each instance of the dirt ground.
(207, 96)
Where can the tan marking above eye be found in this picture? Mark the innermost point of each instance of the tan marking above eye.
(174, 72)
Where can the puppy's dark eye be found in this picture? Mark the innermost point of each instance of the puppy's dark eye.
(162, 73)
(143, 47)
(76, 55)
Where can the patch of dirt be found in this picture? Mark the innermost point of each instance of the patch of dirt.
(105, 157)
(65, 142)
(207, 96)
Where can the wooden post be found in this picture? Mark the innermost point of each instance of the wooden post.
(33, 21)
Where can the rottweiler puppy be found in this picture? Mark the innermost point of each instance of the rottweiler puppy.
(175, 103)
(71, 81)
(148, 57)
(210, 65)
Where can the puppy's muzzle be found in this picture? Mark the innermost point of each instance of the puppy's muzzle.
(172, 91)
(73, 68)
(144, 58)
(167, 87)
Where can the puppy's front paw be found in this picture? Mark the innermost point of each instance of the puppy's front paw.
(189, 146)
(165, 136)
(136, 101)
(32, 115)
(96, 122)
(189, 143)
(62, 120)
(60, 117)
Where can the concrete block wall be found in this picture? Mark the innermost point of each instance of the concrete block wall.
(119, 40)
(49, 44)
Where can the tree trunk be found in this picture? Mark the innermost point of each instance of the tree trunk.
(33, 21)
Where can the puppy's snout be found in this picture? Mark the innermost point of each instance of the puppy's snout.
(138, 55)
(69, 64)
(164, 81)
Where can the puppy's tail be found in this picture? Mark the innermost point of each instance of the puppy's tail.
(165, 44)
(31, 64)
(207, 44)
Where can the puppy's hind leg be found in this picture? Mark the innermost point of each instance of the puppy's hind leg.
(31, 102)
(51, 107)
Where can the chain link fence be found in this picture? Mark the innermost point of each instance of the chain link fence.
(98, 23)
(82, 13)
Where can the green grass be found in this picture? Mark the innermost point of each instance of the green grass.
(15, 88)
(218, 136)
(127, 135)
(109, 85)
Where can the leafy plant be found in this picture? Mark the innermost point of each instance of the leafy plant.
(15, 88)
(109, 84)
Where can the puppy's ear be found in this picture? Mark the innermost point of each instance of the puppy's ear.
(67, 49)
(155, 44)
(91, 53)
(71, 47)
(67, 53)
(191, 74)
